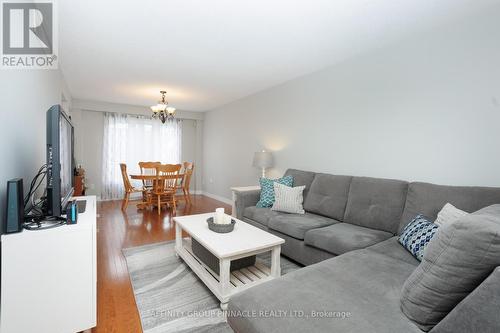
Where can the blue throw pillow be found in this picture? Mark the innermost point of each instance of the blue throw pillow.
(417, 235)
(267, 190)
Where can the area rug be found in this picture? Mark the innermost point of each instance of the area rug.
(170, 297)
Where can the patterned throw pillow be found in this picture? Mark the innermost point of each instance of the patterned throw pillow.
(267, 190)
(288, 199)
(417, 235)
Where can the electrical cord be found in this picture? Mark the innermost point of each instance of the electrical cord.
(35, 184)
(43, 222)
(33, 181)
(41, 226)
(35, 218)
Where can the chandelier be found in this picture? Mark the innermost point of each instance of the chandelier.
(161, 110)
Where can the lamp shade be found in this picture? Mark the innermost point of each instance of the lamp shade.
(263, 159)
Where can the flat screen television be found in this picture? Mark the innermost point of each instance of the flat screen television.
(60, 165)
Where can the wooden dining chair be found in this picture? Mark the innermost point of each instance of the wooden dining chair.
(129, 189)
(165, 185)
(148, 168)
(186, 180)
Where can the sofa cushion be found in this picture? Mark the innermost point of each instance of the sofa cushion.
(478, 312)
(456, 261)
(376, 203)
(392, 248)
(301, 178)
(358, 291)
(295, 225)
(261, 215)
(298, 251)
(343, 237)
(328, 195)
(429, 199)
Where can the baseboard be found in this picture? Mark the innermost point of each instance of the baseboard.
(217, 197)
(133, 197)
(137, 196)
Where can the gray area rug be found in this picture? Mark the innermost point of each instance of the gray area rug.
(170, 297)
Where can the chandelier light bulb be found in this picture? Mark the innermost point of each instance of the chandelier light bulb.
(161, 110)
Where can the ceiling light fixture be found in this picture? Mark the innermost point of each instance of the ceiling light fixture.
(161, 110)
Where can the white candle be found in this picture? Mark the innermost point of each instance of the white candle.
(219, 215)
(227, 219)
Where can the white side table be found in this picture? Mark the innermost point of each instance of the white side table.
(239, 190)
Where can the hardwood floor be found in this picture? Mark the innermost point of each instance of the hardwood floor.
(116, 309)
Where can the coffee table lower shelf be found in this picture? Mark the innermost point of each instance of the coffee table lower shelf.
(237, 280)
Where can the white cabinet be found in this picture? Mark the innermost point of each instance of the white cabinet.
(48, 280)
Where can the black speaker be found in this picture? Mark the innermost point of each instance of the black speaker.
(15, 206)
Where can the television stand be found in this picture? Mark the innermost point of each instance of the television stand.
(49, 277)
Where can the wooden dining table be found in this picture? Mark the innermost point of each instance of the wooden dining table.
(153, 178)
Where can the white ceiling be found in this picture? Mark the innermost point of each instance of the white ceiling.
(209, 53)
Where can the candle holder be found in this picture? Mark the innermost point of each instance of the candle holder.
(220, 228)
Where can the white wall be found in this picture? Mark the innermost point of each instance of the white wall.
(425, 109)
(25, 97)
(88, 117)
(88, 146)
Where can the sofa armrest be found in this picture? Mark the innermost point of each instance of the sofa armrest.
(245, 199)
(478, 312)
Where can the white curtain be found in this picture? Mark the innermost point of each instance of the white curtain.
(130, 139)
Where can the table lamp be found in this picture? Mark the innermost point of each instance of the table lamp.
(263, 160)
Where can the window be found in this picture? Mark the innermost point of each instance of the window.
(130, 139)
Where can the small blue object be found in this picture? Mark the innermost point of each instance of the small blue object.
(417, 235)
(267, 190)
(72, 213)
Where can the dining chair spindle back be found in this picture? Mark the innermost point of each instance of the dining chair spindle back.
(129, 189)
(165, 188)
(186, 181)
(148, 168)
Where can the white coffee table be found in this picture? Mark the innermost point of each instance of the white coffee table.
(245, 241)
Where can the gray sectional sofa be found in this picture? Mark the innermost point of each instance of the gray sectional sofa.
(354, 222)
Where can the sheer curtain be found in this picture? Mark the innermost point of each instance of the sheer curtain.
(130, 139)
